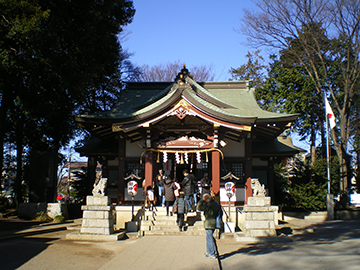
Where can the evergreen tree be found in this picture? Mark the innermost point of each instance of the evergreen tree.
(53, 55)
(314, 34)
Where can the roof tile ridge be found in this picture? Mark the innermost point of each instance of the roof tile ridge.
(169, 95)
(208, 97)
(210, 106)
(173, 87)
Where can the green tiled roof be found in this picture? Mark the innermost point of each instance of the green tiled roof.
(229, 101)
(282, 145)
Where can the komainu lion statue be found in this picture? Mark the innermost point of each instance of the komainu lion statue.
(99, 188)
(258, 189)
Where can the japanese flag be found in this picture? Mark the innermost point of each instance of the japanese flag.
(329, 114)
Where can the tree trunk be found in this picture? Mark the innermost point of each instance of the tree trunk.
(357, 175)
(313, 143)
(19, 161)
(4, 106)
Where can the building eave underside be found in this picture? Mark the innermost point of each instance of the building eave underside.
(276, 148)
(104, 129)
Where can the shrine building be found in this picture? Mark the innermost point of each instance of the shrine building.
(205, 127)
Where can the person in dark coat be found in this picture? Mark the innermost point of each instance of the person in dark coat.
(169, 188)
(188, 185)
(181, 210)
(205, 184)
(211, 210)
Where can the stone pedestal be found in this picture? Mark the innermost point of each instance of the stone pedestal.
(260, 217)
(97, 216)
(57, 209)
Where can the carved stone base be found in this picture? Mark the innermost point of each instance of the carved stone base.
(259, 217)
(97, 216)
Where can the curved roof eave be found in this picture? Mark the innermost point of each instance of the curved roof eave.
(217, 112)
(246, 110)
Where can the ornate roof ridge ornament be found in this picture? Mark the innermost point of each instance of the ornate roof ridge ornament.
(180, 78)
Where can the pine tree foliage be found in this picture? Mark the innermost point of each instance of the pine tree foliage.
(55, 57)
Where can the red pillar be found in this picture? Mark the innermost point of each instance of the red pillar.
(149, 157)
(121, 170)
(248, 189)
(248, 167)
(248, 156)
(215, 156)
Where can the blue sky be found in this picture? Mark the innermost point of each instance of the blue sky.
(197, 32)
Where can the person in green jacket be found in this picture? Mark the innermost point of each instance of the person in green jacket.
(211, 209)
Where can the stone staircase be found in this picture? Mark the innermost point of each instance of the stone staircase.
(157, 223)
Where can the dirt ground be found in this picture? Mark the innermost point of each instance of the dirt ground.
(53, 251)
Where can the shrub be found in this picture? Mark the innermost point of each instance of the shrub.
(302, 186)
(42, 216)
(59, 219)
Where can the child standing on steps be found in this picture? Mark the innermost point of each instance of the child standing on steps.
(182, 208)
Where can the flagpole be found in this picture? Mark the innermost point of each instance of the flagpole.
(329, 197)
(327, 150)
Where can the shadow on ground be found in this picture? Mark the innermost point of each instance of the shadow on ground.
(17, 224)
(17, 252)
(328, 232)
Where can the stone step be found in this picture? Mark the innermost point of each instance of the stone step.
(164, 222)
(162, 212)
(199, 226)
(73, 227)
(190, 216)
(147, 223)
(157, 223)
(199, 223)
(175, 231)
(169, 226)
(170, 220)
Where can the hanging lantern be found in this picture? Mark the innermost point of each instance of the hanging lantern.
(186, 157)
(165, 157)
(158, 158)
(198, 157)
